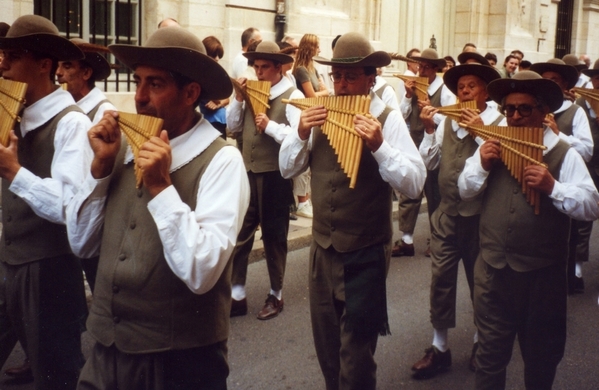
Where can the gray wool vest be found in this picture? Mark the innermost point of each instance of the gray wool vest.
(510, 232)
(348, 219)
(416, 125)
(261, 151)
(92, 114)
(565, 118)
(139, 304)
(25, 236)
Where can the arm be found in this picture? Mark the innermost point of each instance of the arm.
(473, 178)
(198, 243)
(279, 131)
(390, 98)
(430, 148)
(235, 111)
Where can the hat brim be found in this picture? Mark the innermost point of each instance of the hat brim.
(484, 72)
(54, 46)
(438, 62)
(470, 55)
(568, 72)
(99, 64)
(214, 80)
(280, 57)
(547, 89)
(376, 59)
(590, 72)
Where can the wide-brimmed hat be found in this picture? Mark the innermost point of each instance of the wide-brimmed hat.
(568, 72)
(178, 50)
(471, 55)
(93, 58)
(529, 82)
(353, 50)
(572, 60)
(593, 71)
(430, 56)
(484, 72)
(268, 50)
(38, 34)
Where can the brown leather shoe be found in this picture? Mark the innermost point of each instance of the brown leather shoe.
(272, 308)
(402, 249)
(20, 372)
(433, 363)
(239, 308)
(472, 362)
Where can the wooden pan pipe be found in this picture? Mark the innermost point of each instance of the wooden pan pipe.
(420, 85)
(520, 147)
(12, 99)
(454, 111)
(339, 127)
(591, 96)
(138, 129)
(258, 93)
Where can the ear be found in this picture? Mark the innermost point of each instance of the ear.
(46, 65)
(87, 73)
(192, 92)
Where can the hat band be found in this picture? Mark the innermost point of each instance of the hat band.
(347, 59)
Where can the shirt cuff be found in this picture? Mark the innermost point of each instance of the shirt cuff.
(22, 182)
(164, 204)
(383, 152)
(558, 192)
(270, 129)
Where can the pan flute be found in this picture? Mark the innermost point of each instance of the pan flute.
(420, 85)
(591, 96)
(339, 128)
(258, 93)
(520, 147)
(138, 129)
(12, 99)
(455, 110)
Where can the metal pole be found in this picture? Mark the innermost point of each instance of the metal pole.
(280, 20)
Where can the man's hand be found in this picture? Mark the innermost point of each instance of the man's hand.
(370, 131)
(570, 95)
(311, 117)
(490, 152)
(409, 84)
(470, 117)
(423, 103)
(105, 141)
(9, 161)
(426, 115)
(242, 82)
(261, 121)
(154, 160)
(549, 121)
(539, 178)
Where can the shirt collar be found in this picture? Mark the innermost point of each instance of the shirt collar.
(435, 85)
(379, 83)
(91, 100)
(45, 109)
(377, 106)
(280, 87)
(565, 105)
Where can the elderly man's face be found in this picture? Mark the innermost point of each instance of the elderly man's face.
(557, 78)
(428, 70)
(359, 83)
(75, 75)
(158, 95)
(471, 87)
(525, 102)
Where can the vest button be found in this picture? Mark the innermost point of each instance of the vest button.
(337, 169)
(132, 226)
(7, 242)
(116, 320)
(460, 155)
(509, 230)
(139, 193)
(115, 289)
(512, 210)
(332, 228)
(14, 197)
(332, 209)
(516, 190)
(334, 189)
(457, 170)
(8, 219)
(122, 257)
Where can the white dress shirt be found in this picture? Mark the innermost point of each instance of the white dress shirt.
(574, 194)
(581, 139)
(430, 148)
(389, 97)
(71, 162)
(91, 100)
(197, 243)
(240, 63)
(447, 99)
(278, 131)
(399, 162)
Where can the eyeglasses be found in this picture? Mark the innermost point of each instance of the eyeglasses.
(525, 110)
(350, 78)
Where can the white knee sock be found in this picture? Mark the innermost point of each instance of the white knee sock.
(578, 270)
(440, 339)
(238, 292)
(277, 294)
(476, 337)
(408, 238)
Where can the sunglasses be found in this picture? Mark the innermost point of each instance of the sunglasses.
(525, 110)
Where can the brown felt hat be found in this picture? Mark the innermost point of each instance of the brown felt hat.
(178, 50)
(471, 55)
(94, 59)
(484, 72)
(572, 60)
(568, 72)
(38, 34)
(593, 71)
(354, 50)
(268, 50)
(528, 82)
(430, 56)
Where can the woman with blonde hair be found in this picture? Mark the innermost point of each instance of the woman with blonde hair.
(307, 78)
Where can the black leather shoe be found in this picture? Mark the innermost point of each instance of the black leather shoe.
(239, 308)
(22, 372)
(433, 363)
(272, 308)
(576, 286)
(402, 249)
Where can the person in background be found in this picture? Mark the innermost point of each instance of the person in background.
(168, 22)
(240, 62)
(524, 65)
(492, 58)
(510, 66)
(214, 110)
(469, 47)
(518, 54)
(450, 63)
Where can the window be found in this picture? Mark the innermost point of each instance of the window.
(103, 22)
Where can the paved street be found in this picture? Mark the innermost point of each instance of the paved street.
(278, 354)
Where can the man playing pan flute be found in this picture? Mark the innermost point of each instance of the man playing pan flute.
(46, 161)
(160, 311)
(454, 224)
(352, 228)
(271, 195)
(520, 286)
